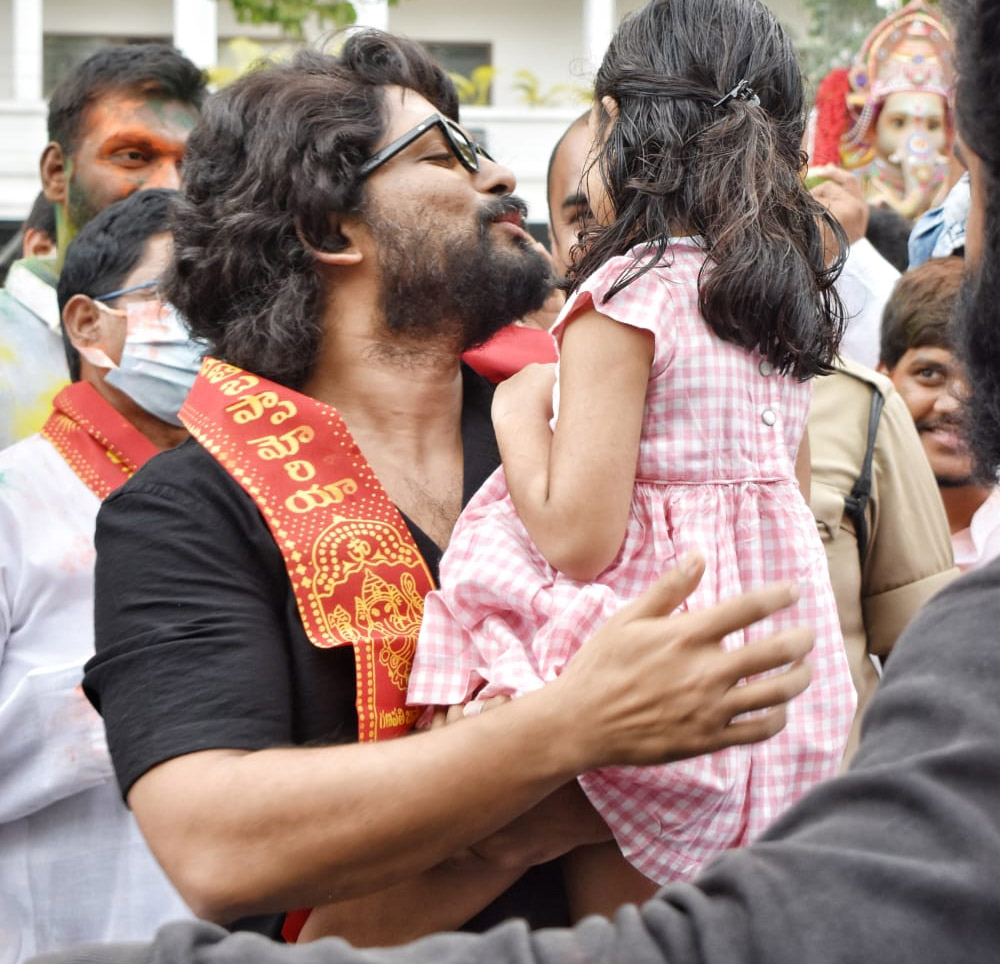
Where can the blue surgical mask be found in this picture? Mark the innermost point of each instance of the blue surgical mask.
(160, 359)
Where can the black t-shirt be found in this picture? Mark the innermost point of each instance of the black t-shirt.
(198, 639)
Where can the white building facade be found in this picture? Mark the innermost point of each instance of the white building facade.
(557, 43)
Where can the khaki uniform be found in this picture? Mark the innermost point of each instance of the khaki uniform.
(909, 554)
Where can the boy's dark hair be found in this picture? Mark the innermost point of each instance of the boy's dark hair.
(683, 158)
(150, 68)
(107, 248)
(918, 312)
(889, 234)
(42, 216)
(273, 156)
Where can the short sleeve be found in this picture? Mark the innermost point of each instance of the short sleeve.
(190, 638)
(654, 301)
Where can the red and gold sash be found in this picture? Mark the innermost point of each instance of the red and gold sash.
(98, 443)
(358, 577)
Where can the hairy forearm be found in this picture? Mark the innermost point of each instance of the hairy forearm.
(440, 899)
(254, 832)
(243, 833)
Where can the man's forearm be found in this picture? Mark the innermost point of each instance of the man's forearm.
(243, 833)
(440, 899)
(253, 832)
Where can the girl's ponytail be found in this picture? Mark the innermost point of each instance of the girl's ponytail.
(706, 142)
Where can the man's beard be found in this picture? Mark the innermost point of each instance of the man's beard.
(976, 326)
(465, 289)
(80, 207)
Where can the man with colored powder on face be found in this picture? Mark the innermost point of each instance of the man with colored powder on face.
(118, 123)
(73, 864)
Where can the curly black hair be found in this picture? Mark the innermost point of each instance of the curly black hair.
(274, 155)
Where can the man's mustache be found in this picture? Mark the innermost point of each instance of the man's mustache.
(500, 207)
(945, 424)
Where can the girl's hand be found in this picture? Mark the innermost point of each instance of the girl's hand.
(459, 711)
(526, 395)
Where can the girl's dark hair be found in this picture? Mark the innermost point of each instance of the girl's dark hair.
(672, 163)
(274, 155)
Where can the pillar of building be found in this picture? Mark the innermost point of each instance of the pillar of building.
(196, 30)
(26, 50)
(598, 29)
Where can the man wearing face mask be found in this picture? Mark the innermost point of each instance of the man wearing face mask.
(73, 865)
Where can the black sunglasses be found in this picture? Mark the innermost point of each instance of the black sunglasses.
(464, 148)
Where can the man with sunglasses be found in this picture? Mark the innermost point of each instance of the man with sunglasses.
(73, 864)
(339, 244)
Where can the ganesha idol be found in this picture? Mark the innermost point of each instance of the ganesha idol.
(887, 117)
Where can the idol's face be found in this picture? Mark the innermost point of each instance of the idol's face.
(908, 113)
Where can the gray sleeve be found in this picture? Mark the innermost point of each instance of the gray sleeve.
(894, 861)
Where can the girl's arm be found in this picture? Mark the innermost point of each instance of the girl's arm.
(572, 488)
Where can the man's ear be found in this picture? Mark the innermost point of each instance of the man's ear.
(347, 253)
(54, 169)
(36, 244)
(82, 319)
(882, 369)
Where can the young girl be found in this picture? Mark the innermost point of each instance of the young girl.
(701, 304)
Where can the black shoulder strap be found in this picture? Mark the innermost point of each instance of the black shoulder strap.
(856, 503)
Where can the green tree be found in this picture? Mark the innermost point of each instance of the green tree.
(838, 30)
(290, 14)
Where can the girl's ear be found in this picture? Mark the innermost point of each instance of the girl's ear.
(610, 106)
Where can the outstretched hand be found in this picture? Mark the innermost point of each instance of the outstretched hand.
(653, 685)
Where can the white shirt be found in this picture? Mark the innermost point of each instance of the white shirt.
(980, 542)
(864, 285)
(73, 864)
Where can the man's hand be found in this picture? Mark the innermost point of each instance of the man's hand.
(651, 687)
(840, 193)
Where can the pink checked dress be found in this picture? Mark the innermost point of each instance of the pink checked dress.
(715, 473)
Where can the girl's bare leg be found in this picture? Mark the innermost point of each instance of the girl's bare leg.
(599, 880)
